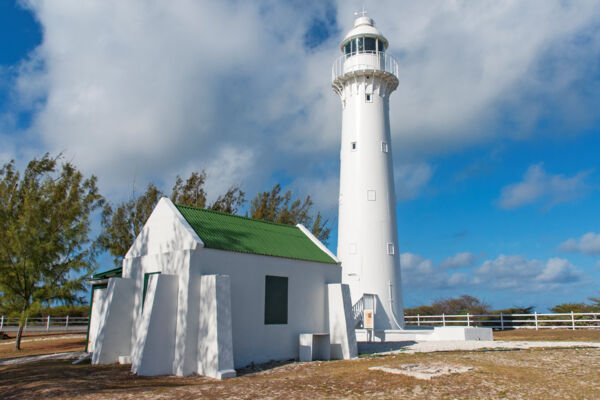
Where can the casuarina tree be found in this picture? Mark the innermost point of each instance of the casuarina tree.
(45, 250)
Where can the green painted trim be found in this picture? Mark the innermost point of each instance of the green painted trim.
(87, 334)
(111, 273)
(146, 277)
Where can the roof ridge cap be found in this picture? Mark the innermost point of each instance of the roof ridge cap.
(238, 216)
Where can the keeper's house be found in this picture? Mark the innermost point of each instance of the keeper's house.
(205, 292)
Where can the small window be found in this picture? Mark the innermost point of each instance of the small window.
(361, 47)
(352, 248)
(369, 98)
(276, 300)
(380, 46)
(347, 48)
(353, 146)
(353, 48)
(390, 248)
(384, 147)
(370, 45)
(371, 195)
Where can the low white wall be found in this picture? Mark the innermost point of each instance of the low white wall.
(98, 298)
(114, 331)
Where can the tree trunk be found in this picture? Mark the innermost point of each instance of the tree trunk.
(19, 334)
(21, 327)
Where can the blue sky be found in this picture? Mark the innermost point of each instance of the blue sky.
(495, 123)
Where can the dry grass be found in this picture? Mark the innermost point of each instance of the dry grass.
(524, 374)
(562, 335)
(38, 347)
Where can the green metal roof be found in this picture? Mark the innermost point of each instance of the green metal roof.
(234, 233)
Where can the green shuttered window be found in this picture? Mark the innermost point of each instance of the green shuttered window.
(276, 300)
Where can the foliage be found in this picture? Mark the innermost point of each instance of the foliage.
(452, 306)
(63, 311)
(515, 310)
(123, 223)
(576, 307)
(44, 228)
(276, 207)
(191, 193)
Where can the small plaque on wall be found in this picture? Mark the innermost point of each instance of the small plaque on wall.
(368, 318)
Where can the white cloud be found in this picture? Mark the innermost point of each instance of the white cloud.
(411, 179)
(537, 185)
(459, 260)
(587, 244)
(421, 272)
(148, 89)
(515, 272)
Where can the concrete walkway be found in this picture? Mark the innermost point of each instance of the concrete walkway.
(456, 345)
(43, 338)
(56, 356)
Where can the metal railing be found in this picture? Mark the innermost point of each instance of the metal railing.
(364, 62)
(501, 321)
(45, 324)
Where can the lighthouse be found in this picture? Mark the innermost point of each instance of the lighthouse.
(364, 77)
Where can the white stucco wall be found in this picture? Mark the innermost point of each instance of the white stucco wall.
(165, 231)
(253, 341)
(341, 323)
(98, 298)
(115, 323)
(215, 348)
(154, 348)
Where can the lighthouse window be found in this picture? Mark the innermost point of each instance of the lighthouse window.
(390, 248)
(353, 43)
(368, 98)
(347, 48)
(353, 146)
(370, 45)
(380, 45)
(384, 147)
(371, 195)
(361, 47)
(352, 248)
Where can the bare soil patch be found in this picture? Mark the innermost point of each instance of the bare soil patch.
(569, 335)
(521, 374)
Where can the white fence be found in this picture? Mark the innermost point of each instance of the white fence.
(45, 324)
(501, 321)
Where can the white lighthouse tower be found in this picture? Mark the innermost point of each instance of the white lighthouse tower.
(364, 77)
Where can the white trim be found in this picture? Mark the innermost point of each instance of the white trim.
(317, 242)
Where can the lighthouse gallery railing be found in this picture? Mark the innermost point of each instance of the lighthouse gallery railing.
(364, 62)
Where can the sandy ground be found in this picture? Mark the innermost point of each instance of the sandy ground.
(535, 373)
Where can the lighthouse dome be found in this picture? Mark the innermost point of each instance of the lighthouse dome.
(364, 27)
